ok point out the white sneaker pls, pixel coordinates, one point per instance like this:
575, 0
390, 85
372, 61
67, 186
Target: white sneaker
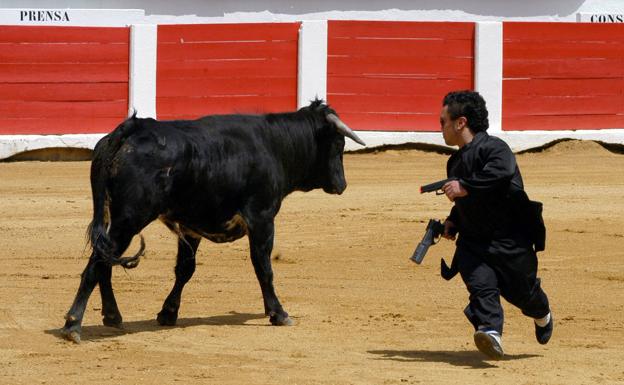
489, 343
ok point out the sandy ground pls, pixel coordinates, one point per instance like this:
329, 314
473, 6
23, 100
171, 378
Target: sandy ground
364, 313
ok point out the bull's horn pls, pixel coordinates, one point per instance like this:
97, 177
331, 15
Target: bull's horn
344, 129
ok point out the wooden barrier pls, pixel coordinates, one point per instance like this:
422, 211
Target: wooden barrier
62, 80
226, 68
67, 86
391, 76
563, 76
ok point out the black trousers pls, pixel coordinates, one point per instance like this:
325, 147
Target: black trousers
494, 269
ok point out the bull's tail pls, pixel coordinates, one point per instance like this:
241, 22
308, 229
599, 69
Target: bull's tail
97, 232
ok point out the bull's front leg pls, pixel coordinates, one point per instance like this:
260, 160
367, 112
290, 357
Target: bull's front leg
261, 245
185, 267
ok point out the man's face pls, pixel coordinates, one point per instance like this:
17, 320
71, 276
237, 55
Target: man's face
447, 127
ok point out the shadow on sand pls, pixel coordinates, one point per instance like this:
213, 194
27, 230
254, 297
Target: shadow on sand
97, 332
468, 359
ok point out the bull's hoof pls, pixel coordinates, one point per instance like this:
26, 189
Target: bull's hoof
114, 321
71, 330
71, 334
281, 320
167, 318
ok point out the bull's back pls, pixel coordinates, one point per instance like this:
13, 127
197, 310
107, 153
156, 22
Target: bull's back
196, 175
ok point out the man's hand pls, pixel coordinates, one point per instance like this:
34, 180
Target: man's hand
454, 190
449, 232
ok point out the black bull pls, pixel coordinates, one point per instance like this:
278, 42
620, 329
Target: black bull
219, 177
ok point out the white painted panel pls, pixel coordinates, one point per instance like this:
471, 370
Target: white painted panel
142, 87
312, 67
489, 69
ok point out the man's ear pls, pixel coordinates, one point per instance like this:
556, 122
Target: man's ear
461, 123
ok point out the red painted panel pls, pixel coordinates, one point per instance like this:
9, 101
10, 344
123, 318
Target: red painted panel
399, 104
64, 35
563, 68
563, 87
564, 122
63, 72
393, 75
182, 87
59, 80
581, 32
64, 53
391, 86
560, 105
64, 91
368, 121
46, 126
242, 68
562, 76
192, 108
387, 47
97, 109
185, 33
226, 68
415, 66
226, 50
563, 50
401, 30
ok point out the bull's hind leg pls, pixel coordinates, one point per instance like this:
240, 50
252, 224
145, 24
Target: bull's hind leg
185, 267
110, 312
123, 228
73, 318
97, 270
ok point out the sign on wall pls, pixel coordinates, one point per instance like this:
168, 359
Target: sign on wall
71, 17
600, 17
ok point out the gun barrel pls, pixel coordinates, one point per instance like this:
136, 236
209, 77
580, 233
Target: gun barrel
435, 186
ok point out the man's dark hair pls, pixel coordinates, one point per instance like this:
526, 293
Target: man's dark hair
469, 104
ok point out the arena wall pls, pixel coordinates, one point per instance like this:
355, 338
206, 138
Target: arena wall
65, 84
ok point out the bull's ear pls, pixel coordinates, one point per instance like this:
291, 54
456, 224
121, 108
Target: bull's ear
344, 129
317, 104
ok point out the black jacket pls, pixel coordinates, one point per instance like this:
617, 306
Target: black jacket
487, 169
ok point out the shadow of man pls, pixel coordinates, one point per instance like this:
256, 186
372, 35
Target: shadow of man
97, 332
468, 359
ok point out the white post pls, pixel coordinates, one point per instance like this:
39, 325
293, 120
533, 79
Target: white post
142, 87
489, 69
312, 67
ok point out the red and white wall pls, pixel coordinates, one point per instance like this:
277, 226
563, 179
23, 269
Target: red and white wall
67, 86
